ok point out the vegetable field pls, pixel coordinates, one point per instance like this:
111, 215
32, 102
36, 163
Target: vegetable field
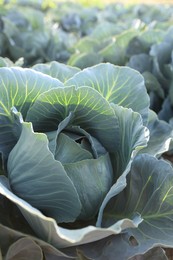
86, 131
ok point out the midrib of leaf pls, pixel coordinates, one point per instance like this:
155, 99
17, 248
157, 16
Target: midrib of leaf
144, 187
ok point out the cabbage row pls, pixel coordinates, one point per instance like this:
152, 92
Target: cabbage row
86, 132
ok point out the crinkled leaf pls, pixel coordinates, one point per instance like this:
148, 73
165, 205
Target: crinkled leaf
91, 112
119, 85
57, 70
92, 179
134, 136
32, 170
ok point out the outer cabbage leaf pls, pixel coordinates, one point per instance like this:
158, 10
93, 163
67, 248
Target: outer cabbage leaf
57, 70
16, 244
31, 164
119, 85
10, 214
6, 62
119, 246
149, 192
154, 200
156, 253
23, 248
134, 137
19, 88
47, 229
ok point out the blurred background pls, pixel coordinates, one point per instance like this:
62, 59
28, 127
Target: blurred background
91, 2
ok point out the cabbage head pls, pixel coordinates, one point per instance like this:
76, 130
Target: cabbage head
68, 140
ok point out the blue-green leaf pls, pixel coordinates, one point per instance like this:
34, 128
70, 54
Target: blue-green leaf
119, 246
91, 112
92, 179
119, 85
47, 229
161, 134
84, 60
134, 136
17, 244
57, 70
10, 130
32, 170
19, 88
68, 151
24, 248
149, 192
